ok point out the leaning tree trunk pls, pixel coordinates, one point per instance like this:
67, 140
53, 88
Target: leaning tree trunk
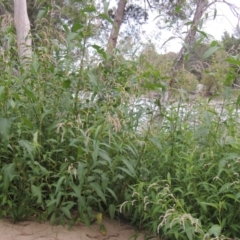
22, 25
189, 40
201, 7
112, 41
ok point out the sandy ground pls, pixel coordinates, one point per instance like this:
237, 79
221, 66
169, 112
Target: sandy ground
30, 230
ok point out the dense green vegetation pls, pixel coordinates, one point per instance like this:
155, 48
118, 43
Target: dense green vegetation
73, 145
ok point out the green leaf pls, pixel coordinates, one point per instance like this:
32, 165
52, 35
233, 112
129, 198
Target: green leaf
215, 13
202, 33
112, 210
97, 131
88, 9
233, 61
214, 205
189, 229
59, 183
42, 13
203, 206
76, 189
225, 187
2, 89
27, 122
44, 171
235, 227
81, 173
105, 17
66, 212
92, 79
237, 195
97, 188
9, 174
28, 146
29, 94
210, 51
86, 219
5, 125
126, 171
12, 103
214, 43
156, 142
178, 8
104, 155
76, 27
105, 181
66, 84
215, 230
189, 23
95, 151
100, 50
169, 178
71, 36
37, 192
237, 102
35, 63
129, 166
113, 193
59, 198
231, 196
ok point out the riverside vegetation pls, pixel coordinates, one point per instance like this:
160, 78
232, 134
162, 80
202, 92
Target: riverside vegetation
64, 157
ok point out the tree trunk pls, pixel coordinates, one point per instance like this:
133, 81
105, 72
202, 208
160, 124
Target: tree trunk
112, 41
201, 7
189, 40
22, 25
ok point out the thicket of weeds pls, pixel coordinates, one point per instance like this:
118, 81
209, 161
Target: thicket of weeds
68, 143
189, 175
72, 144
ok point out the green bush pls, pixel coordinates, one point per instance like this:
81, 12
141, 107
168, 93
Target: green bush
72, 143
216, 74
63, 156
186, 81
189, 188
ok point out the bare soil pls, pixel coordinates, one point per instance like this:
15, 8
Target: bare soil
30, 230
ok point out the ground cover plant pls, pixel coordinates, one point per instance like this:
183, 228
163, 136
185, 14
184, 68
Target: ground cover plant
76, 146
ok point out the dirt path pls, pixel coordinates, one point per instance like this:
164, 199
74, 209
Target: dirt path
29, 230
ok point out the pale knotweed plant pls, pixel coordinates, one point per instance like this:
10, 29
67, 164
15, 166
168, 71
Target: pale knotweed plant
236, 174
164, 217
62, 126
122, 205
217, 178
72, 170
115, 121
126, 202
135, 193
182, 219
207, 237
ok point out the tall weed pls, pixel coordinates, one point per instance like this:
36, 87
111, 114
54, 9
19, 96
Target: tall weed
64, 156
189, 186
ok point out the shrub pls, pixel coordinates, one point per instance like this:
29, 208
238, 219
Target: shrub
189, 188
186, 81
214, 77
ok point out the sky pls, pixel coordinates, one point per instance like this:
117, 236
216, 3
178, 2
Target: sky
225, 21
